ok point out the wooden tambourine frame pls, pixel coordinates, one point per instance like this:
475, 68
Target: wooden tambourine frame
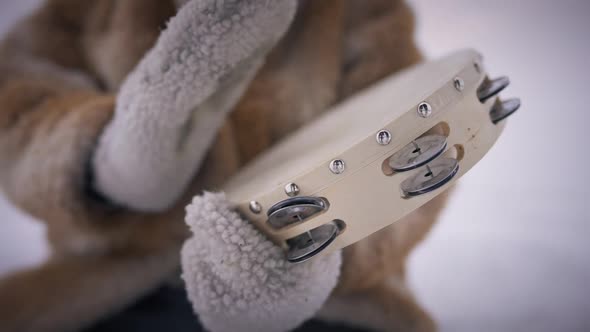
375, 158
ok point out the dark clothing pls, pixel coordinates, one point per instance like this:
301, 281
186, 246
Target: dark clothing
169, 310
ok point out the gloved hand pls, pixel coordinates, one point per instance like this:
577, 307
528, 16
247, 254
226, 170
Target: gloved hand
171, 107
237, 280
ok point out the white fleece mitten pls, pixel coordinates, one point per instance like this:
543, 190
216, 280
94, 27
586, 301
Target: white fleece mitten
237, 280
172, 105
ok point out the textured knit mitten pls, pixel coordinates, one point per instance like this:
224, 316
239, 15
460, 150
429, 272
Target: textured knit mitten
238, 280
170, 108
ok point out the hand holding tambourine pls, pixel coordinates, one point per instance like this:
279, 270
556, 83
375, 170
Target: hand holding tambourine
359, 168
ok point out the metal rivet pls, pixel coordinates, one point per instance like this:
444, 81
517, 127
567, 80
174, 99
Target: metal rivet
292, 189
255, 207
337, 166
383, 137
459, 83
424, 110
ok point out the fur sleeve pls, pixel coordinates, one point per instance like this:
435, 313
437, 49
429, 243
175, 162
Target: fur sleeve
52, 113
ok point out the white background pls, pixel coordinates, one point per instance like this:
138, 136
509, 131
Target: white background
511, 252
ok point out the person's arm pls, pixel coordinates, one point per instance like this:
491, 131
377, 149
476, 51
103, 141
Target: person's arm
172, 105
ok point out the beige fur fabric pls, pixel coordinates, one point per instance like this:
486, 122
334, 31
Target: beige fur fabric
60, 72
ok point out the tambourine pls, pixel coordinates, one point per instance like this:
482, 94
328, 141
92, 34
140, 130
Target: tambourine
375, 158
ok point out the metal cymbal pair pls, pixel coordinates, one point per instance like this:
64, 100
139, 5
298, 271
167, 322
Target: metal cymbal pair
502, 109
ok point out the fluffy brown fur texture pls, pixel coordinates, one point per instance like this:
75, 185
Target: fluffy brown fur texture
59, 70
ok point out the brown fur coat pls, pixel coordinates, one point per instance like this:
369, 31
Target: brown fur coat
59, 71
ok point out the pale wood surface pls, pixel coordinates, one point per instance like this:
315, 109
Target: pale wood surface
363, 196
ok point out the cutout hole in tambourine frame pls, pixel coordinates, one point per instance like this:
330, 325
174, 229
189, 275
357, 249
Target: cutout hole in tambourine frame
456, 151
341, 225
